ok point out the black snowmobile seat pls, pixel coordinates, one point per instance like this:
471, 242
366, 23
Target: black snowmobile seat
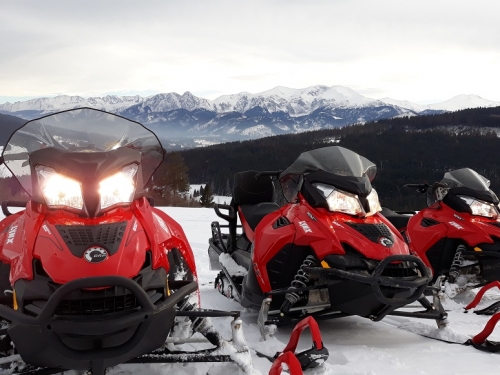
254, 213
254, 196
251, 190
398, 220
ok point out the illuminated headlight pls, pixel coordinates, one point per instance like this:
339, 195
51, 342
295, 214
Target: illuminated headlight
374, 203
480, 208
59, 190
118, 188
340, 201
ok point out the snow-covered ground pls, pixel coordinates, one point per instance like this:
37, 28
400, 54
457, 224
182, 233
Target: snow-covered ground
357, 346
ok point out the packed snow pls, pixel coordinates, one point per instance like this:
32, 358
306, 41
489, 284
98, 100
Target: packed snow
357, 345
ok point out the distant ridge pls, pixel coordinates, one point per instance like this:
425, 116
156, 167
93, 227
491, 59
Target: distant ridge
280, 110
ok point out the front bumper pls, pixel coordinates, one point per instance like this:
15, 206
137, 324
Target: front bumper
94, 342
372, 294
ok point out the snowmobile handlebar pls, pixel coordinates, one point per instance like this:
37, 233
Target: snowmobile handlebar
422, 188
268, 173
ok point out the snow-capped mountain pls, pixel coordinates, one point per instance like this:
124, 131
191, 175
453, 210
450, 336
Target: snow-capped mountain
63, 102
245, 115
296, 102
454, 104
462, 102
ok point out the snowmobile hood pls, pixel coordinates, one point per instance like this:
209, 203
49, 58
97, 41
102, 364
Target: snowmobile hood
336, 160
84, 131
466, 177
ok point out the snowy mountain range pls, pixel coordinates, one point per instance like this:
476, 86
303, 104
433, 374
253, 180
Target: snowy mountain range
245, 115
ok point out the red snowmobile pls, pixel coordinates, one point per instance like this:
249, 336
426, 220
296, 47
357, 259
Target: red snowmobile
327, 253
458, 234
93, 274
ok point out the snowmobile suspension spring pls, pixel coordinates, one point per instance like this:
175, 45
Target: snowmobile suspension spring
456, 263
300, 280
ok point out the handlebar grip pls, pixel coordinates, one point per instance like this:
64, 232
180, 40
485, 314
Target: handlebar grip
268, 173
416, 185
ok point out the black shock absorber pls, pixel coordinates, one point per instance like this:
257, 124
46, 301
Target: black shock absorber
300, 280
455, 265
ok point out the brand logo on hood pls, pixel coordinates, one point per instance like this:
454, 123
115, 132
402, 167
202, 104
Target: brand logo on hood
384, 241
95, 254
306, 227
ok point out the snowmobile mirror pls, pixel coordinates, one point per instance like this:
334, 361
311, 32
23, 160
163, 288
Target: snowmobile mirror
7, 204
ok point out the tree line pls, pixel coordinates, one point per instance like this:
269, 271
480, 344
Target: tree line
406, 150
414, 149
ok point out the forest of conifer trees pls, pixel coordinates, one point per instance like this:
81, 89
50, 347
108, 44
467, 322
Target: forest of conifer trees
405, 150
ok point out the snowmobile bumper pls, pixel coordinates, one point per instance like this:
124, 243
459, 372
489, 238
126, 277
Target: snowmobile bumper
97, 341
374, 294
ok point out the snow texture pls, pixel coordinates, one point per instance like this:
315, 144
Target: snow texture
231, 266
357, 345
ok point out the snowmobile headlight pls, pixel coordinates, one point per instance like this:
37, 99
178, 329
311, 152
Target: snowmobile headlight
479, 207
340, 201
118, 188
59, 190
373, 202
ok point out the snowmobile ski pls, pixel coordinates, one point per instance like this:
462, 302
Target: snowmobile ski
447, 335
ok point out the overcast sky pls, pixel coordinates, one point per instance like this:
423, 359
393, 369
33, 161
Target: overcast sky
418, 50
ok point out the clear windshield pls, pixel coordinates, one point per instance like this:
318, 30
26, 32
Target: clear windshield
466, 177
80, 130
333, 159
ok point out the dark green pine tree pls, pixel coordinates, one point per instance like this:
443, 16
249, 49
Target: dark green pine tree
171, 181
207, 197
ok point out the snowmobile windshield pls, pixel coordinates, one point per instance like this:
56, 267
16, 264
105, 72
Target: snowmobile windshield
334, 159
82, 130
466, 177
